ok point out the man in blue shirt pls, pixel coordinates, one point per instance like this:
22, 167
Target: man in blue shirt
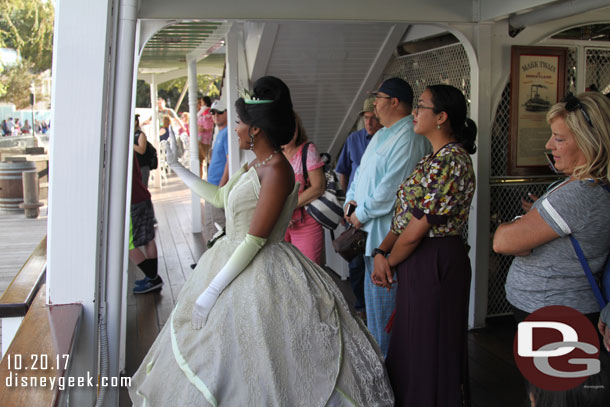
218, 171
388, 159
348, 163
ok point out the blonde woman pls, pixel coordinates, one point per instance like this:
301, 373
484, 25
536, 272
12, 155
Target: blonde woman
546, 270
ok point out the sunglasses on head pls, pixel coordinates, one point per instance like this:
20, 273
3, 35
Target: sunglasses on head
214, 112
573, 103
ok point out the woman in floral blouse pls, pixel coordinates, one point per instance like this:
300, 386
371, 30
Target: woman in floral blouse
427, 357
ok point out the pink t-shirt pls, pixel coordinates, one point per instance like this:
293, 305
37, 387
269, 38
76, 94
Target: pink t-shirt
204, 119
313, 162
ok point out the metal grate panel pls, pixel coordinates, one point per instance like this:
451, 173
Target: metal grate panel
571, 71
505, 205
598, 68
448, 65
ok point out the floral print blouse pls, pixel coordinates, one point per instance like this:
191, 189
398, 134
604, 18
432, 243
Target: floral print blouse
440, 187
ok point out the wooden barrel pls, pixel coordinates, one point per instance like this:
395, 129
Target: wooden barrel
11, 184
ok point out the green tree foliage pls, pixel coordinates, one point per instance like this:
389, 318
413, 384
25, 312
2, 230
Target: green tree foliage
27, 26
171, 90
17, 80
2, 84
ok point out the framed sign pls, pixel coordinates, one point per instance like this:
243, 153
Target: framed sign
537, 78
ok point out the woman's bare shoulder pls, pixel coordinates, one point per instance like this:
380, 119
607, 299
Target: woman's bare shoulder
279, 176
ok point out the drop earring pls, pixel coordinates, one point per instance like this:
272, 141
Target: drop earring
251, 142
438, 126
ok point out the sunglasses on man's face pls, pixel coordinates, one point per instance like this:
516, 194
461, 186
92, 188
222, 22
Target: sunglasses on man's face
215, 112
573, 103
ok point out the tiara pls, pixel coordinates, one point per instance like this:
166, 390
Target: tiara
250, 99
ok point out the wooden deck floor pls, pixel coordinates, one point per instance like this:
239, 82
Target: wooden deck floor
19, 236
494, 378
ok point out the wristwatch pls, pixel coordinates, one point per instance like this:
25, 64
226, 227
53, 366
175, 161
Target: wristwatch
377, 251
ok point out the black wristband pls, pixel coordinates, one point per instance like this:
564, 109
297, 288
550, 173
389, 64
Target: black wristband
377, 251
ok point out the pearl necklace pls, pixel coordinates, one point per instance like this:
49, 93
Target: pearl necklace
266, 160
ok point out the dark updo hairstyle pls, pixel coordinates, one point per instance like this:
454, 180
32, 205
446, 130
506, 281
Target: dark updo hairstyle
451, 100
275, 118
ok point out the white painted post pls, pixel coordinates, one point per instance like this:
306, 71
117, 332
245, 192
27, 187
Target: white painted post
119, 194
478, 225
81, 53
233, 37
194, 141
155, 124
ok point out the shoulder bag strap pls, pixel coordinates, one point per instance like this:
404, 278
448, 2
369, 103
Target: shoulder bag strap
585, 266
304, 161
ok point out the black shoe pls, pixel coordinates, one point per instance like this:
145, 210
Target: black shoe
148, 286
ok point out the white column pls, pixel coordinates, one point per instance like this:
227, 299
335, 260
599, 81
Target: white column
194, 161
478, 227
154, 127
232, 44
119, 194
81, 52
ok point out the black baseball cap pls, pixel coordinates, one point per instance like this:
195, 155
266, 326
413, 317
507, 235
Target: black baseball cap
397, 88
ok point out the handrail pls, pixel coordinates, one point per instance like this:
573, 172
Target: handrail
516, 180
19, 295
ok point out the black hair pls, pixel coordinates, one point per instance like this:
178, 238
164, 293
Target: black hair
207, 101
451, 100
275, 118
593, 392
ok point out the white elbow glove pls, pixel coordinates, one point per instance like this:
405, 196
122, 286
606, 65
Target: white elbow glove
239, 260
210, 192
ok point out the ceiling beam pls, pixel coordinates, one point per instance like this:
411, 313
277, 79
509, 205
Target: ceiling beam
369, 82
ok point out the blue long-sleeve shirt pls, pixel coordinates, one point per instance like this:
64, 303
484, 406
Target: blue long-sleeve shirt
389, 158
352, 152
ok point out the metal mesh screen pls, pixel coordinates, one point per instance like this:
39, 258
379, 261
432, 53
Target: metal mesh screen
506, 198
571, 71
598, 69
448, 65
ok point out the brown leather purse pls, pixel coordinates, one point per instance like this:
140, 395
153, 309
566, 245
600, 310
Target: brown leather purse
350, 243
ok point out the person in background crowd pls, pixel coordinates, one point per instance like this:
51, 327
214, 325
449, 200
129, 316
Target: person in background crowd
348, 163
142, 234
389, 158
218, 172
593, 392
205, 129
17, 128
165, 131
139, 146
10, 126
26, 127
184, 119
303, 230
428, 356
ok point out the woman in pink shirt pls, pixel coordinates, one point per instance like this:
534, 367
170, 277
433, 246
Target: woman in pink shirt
303, 230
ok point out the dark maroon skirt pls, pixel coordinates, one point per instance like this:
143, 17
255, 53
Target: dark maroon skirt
427, 360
